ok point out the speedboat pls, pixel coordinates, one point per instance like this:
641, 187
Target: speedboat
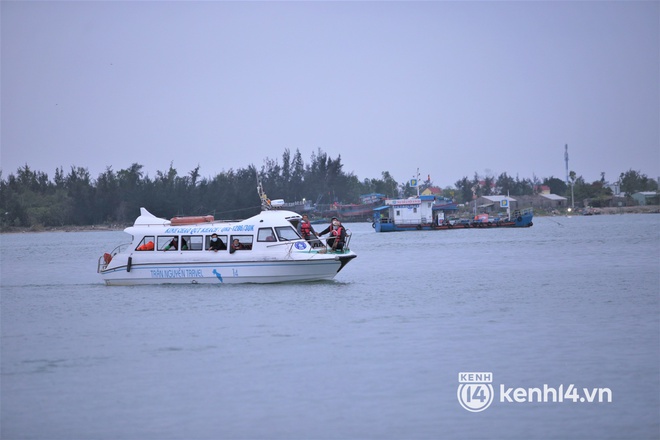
265, 248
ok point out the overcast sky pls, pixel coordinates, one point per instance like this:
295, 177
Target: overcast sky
451, 88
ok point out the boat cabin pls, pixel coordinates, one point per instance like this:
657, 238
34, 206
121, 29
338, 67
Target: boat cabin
411, 211
230, 237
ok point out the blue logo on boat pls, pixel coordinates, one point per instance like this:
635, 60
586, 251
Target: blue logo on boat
300, 245
217, 274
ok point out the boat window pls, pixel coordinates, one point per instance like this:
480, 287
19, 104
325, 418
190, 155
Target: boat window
194, 242
146, 244
171, 243
266, 234
223, 242
241, 243
287, 233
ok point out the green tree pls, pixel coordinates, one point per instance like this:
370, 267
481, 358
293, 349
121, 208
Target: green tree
298, 192
464, 187
633, 181
505, 184
385, 185
107, 196
80, 190
557, 186
489, 183
131, 186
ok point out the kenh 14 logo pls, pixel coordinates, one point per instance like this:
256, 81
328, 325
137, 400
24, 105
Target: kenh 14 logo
475, 392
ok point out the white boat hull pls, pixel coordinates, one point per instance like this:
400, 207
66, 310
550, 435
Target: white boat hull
225, 272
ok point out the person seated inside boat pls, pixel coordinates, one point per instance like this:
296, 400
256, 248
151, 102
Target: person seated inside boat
216, 244
236, 245
174, 244
337, 236
266, 234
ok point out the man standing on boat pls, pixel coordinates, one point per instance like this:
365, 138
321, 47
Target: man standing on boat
305, 228
307, 232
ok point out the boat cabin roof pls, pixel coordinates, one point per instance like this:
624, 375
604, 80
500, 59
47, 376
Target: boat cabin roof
148, 223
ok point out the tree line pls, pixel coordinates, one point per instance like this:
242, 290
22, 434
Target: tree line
30, 198
597, 193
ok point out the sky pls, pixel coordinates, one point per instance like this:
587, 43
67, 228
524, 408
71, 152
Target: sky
449, 88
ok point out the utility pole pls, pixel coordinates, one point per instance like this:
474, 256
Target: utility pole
566, 160
572, 181
572, 196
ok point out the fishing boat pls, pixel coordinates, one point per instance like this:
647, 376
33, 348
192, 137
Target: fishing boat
348, 212
265, 248
428, 212
362, 210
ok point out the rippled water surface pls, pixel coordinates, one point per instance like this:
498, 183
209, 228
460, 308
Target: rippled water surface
376, 353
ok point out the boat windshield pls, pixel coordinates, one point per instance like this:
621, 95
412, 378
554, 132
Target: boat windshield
265, 234
287, 233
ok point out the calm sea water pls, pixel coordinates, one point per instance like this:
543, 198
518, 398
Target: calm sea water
376, 353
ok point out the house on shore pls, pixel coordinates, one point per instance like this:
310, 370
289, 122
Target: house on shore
552, 201
646, 197
493, 204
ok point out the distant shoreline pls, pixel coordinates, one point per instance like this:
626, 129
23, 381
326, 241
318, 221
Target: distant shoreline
72, 228
654, 209
646, 209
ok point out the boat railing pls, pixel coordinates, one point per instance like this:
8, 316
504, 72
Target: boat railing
349, 235
409, 221
320, 244
105, 259
520, 212
101, 264
119, 249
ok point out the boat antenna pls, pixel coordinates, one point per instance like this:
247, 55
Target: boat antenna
265, 202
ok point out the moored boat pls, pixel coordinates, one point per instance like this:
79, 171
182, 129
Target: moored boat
427, 212
265, 248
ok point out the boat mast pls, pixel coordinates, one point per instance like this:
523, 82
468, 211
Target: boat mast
265, 203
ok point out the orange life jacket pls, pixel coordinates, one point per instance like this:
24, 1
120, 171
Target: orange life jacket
146, 247
305, 228
337, 232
